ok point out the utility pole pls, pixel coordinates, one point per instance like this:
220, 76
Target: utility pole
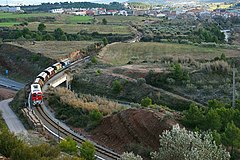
233, 87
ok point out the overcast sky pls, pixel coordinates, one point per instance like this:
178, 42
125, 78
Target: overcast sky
27, 2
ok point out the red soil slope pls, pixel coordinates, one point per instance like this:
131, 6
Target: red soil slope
140, 126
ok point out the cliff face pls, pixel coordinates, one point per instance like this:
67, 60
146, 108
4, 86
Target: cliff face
133, 126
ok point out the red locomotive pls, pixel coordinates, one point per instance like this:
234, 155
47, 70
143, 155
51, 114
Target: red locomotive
36, 94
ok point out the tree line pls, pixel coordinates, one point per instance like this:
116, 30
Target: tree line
221, 119
48, 6
59, 35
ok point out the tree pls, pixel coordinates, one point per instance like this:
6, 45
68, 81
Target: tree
212, 120
194, 116
68, 145
146, 102
178, 71
231, 136
87, 150
58, 33
41, 27
215, 104
46, 150
48, 37
105, 41
8, 142
181, 144
63, 37
117, 86
130, 156
104, 21
24, 152
227, 115
95, 116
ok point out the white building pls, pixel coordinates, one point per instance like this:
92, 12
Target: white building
58, 11
123, 12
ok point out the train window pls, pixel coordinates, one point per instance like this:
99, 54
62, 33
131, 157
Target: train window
35, 86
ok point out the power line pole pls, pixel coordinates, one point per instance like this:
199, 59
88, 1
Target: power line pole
233, 87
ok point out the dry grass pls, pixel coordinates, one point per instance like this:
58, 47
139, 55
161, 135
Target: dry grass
125, 19
86, 102
216, 66
122, 53
55, 49
75, 28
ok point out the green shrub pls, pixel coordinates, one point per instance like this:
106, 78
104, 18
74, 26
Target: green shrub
146, 102
94, 59
117, 86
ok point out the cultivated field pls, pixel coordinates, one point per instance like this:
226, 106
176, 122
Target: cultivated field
8, 24
71, 19
9, 19
23, 15
122, 53
75, 28
55, 49
124, 19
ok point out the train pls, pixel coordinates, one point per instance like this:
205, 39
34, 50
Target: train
43, 77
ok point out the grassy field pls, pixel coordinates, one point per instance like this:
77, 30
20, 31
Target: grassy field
17, 15
59, 18
124, 19
55, 49
75, 28
79, 19
8, 24
122, 53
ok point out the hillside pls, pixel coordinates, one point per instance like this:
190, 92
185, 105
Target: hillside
21, 63
55, 49
133, 127
123, 53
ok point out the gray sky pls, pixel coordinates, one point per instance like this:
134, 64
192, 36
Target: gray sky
26, 2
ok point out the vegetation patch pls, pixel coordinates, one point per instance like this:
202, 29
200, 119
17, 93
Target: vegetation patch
22, 64
56, 49
83, 111
122, 53
89, 28
79, 19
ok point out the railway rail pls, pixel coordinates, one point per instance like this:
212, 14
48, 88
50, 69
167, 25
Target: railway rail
59, 131
102, 153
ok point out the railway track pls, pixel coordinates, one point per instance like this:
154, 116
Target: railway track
59, 131
102, 153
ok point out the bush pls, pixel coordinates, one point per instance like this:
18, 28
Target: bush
94, 60
141, 81
146, 102
95, 116
117, 86
181, 144
68, 145
216, 66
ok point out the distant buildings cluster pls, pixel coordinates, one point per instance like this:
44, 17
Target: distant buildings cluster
170, 12
89, 12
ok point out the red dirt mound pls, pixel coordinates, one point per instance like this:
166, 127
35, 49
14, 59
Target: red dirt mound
140, 126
